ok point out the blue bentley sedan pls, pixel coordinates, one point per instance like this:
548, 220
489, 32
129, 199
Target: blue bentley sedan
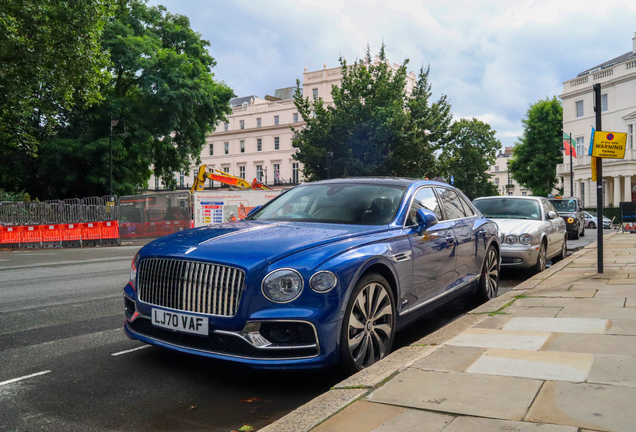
325, 273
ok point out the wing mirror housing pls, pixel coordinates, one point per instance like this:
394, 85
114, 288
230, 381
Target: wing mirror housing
254, 210
425, 220
552, 215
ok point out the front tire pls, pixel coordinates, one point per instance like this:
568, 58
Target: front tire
575, 235
540, 265
583, 232
368, 328
489, 279
591, 225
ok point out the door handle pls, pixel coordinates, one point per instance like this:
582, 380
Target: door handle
481, 233
450, 239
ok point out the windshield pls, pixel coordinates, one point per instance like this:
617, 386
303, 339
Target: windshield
509, 208
564, 205
335, 203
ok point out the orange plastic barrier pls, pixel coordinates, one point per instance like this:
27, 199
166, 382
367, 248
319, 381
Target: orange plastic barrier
91, 234
109, 230
10, 236
72, 235
51, 235
30, 237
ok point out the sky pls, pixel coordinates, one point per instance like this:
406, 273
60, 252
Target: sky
491, 58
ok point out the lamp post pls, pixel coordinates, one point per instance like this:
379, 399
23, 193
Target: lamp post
508, 184
571, 167
113, 122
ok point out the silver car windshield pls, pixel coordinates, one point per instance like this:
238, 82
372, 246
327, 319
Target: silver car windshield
509, 208
347, 203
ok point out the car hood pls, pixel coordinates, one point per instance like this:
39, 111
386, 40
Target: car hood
517, 226
247, 243
567, 214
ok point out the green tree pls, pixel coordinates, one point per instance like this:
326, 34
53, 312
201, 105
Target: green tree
373, 127
50, 61
469, 154
538, 151
162, 91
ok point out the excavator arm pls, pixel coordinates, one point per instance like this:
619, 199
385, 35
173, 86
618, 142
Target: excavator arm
206, 173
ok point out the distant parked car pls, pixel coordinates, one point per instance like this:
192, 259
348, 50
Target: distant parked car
591, 221
572, 213
531, 230
325, 273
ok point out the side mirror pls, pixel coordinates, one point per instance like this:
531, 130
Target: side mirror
425, 219
254, 210
552, 215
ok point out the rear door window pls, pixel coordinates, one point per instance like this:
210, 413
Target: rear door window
452, 205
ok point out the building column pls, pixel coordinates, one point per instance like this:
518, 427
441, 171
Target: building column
617, 191
588, 193
628, 189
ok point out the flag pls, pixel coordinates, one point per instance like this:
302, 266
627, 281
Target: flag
277, 175
566, 143
592, 142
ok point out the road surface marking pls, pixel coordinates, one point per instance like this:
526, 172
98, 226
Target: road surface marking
130, 350
23, 378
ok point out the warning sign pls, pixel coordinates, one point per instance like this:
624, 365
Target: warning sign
609, 145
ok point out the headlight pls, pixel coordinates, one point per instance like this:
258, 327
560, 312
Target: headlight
526, 239
323, 281
511, 239
282, 286
570, 220
133, 270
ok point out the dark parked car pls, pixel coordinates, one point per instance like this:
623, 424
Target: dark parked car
325, 273
572, 213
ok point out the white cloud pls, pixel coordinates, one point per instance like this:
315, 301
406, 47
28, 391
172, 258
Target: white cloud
492, 58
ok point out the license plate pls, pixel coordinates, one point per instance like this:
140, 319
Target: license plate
180, 322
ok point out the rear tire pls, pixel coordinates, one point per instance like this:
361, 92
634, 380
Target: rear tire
583, 232
489, 279
368, 327
540, 265
575, 235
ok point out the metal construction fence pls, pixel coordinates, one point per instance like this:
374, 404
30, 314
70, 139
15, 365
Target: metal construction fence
154, 214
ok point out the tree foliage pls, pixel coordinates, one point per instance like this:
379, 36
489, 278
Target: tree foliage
373, 127
51, 60
469, 155
164, 99
538, 151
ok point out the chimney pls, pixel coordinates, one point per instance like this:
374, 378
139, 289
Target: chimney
634, 42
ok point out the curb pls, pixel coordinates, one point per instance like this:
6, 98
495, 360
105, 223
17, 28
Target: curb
316, 411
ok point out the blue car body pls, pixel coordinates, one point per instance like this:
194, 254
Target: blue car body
424, 269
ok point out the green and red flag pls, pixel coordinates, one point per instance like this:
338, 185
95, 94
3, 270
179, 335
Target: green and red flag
567, 139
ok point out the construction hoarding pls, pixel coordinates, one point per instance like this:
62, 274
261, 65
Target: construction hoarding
227, 206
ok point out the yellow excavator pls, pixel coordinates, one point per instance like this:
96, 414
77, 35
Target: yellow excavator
207, 173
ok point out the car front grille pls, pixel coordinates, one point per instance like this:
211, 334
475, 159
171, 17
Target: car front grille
190, 286
217, 343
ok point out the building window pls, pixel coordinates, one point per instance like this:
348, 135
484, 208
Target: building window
276, 143
259, 144
277, 178
259, 173
604, 102
579, 108
276, 120
523, 193
181, 179
226, 169
156, 183
496, 180
242, 172
226, 127
211, 149
226, 145
242, 123
580, 146
582, 194
295, 117
496, 168
315, 93
242, 146
630, 136
295, 172
258, 122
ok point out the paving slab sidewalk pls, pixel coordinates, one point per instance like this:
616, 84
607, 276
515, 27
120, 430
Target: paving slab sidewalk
557, 354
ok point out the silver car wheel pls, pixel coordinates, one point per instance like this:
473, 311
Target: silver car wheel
370, 325
492, 274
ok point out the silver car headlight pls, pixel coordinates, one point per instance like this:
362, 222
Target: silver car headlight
282, 286
525, 239
323, 281
511, 239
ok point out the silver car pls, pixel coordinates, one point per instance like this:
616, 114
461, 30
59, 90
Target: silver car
591, 221
530, 229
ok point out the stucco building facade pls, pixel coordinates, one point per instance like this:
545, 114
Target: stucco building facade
618, 107
500, 176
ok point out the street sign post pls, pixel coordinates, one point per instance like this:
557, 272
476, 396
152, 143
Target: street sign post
599, 181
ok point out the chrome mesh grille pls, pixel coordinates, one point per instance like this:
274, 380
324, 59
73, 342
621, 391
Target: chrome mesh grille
190, 286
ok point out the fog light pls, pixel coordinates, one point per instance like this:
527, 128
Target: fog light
288, 333
129, 308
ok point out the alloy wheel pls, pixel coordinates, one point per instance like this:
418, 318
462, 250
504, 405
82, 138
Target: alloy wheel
370, 325
492, 274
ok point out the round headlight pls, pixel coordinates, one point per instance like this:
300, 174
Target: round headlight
323, 281
282, 286
511, 239
526, 239
570, 220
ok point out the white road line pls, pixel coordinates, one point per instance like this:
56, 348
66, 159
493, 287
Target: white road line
23, 378
130, 350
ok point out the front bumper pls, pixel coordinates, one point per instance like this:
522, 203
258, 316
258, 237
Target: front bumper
517, 255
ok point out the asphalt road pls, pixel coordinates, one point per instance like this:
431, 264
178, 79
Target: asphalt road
61, 316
